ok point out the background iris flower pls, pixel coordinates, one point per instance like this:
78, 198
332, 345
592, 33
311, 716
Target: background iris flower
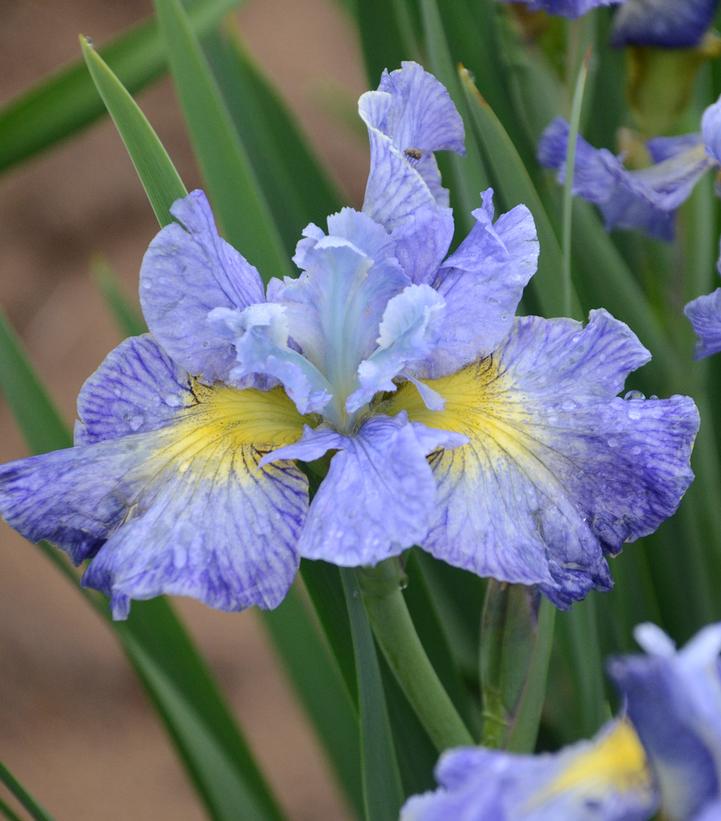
646, 199
673, 699
567, 8
664, 754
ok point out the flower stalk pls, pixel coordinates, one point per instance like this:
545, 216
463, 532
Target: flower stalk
382, 591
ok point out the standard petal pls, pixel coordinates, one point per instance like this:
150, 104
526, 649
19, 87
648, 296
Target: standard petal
421, 242
482, 284
704, 313
410, 116
674, 702
409, 330
187, 271
378, 497
334, 310
606, 778
644, 200
558, 470
137, 388
185, 509
662, 23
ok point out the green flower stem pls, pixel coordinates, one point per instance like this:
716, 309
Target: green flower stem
381, 588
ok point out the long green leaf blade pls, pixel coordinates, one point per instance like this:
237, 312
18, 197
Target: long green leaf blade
294, 183
514, 186
232, 185
66, 102
22, 795
382, 788
158, 175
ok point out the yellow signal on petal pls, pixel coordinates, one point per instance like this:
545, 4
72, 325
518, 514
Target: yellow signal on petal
226, 430
617, 762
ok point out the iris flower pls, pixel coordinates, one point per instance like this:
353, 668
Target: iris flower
674, 701
663, 23
665, 753
647, 199
498, 444
606, 779
566, 8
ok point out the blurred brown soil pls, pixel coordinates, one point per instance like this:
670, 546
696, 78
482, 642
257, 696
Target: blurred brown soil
74, 723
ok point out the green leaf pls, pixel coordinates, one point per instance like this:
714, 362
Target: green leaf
295, 184
66, 102
127, 317
468, 175
22, 795
232, 185
158, 175
317, 682
382, 790
387, 35
7, 812
513, 184
34, 412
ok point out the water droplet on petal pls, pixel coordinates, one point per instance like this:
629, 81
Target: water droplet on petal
634, 395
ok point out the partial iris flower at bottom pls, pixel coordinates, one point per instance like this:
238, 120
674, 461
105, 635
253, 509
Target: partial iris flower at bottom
498, 444
647, 199
673, 699
664, 754
606, 779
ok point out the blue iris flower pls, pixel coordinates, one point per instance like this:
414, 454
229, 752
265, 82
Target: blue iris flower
645, 200
674, 701
566, 8
606, 779
663, 754
663, 23
498, 444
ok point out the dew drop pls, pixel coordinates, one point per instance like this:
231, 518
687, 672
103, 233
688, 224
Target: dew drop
634, 395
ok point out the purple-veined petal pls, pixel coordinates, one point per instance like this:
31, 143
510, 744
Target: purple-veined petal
409, 117
421, 242
378, 496
482, 284
184, 506
187, 271
558, 471
137, 388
